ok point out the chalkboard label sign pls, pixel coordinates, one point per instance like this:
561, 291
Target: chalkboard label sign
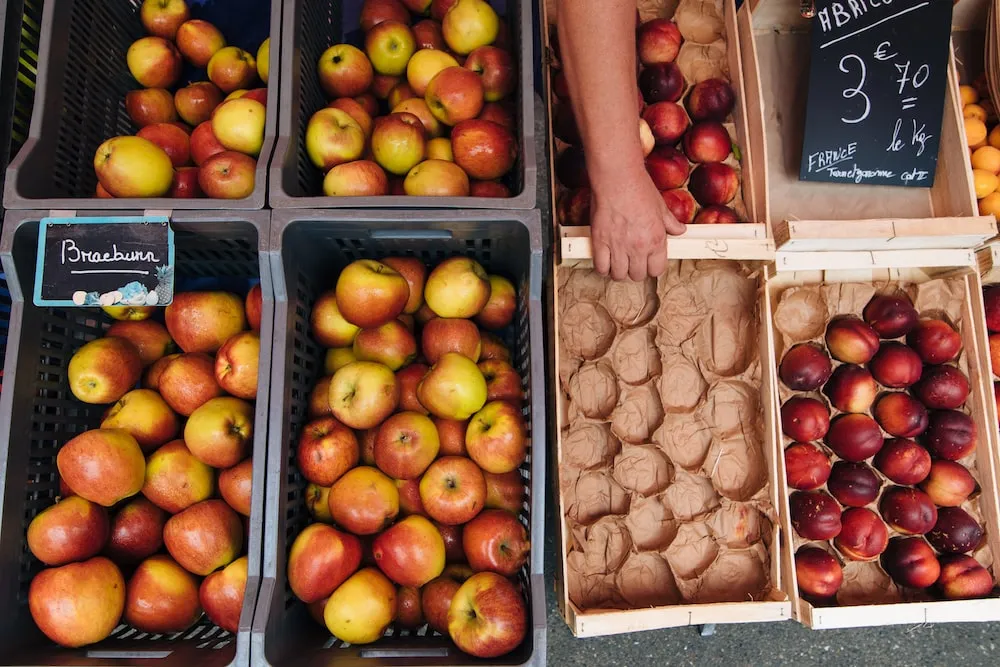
114, 261
877, 85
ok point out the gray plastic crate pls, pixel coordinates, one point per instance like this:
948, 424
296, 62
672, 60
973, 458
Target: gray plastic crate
38, 414
308, 250
82, 81
20, 25
310, 26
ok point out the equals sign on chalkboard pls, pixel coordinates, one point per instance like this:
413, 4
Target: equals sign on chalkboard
877, 83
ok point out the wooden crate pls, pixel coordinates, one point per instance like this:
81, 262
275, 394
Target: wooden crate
778, 56
909, 267
748, 240
587, 623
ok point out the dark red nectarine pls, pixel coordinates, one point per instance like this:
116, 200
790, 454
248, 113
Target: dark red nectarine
891, 315
851, 388
948, 484
991, 300
817, 572
963, 578
951, 435
804, 419
854, 437
815, 515
901, 415
908, 511
896, 366
863, 536
903, 461
850, 340
955, 532
853, 484
911, 562
805, 367
807, 467
942, 387
935, 341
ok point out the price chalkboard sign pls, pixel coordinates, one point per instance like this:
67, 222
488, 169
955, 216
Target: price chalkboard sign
877, 85
114, 261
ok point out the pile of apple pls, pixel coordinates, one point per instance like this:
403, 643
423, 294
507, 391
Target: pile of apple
412, 458
672, 138
146, 480
227, 116
983, 137
444, 82
911, 437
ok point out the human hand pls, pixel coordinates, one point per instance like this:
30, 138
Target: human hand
629, 226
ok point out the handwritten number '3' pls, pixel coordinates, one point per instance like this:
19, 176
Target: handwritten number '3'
854, 92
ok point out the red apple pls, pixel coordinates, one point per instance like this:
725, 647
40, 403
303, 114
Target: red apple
488, 616
228, 175
453, 490
496, 541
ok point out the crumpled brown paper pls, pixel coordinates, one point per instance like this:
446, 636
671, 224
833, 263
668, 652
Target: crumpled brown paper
635, 357
630, 303
738, 525
587, 330
685, 438
730, 407
692, 550
736, 466
650, 523
638, 414
801, 314
588, 444
726, 343
607, 544
645, 580
594, 389
735, 576
691, 496
682, 386
582, 285
703, 61
594, 495
643, 469
700, 21
866, 583
682, 309
589, 590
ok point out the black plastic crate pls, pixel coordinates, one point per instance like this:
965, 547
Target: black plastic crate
82, 79
20, 26
310, 27
38, 413
308, 250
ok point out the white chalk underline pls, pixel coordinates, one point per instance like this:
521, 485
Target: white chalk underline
141, 273
887, 18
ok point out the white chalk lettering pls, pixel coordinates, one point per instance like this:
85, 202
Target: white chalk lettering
920, 138
840, 15
915, 175
823, 160
72, 254
896, 144
859, 175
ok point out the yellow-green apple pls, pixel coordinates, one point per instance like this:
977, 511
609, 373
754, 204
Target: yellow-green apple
239, 125
453, 490
436, 178
418, 7
398, 142
363, 394
236, 486
231, 68
162, 18
374, 12
236, 365
493, 348
400, 93
133, 167
196, 102
435, 598
409, 614
326, 450
499, 310
79, 603
370, 293
129, 313
102, 466
391, 344
336, 358
161, 596
228, 175
382, 85
199, 40
264, 59
333, 137
364, 501
151, 379
204, 144
389, 46
175, 479
428, 35
204, 537
488, 616
483, 149
146, 416
204, 321
496, 68
406, 444
73, 529
154, 62
469, 24
149, 337
408, 379
320, 560
319, 399
344, 71
505, 491
449, 334
496, 541
454, 388
457, 287
150, 105
136, 532
174, 141
328, 326
409, 497
455, 94
439, 148
503, 383
424, 65
221, 594
355, 110
410, 553
418, 107
368, 446
254, 306
362, 607
497, 437
499, 113
219, 432
318, 503
188, 382
451, 433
